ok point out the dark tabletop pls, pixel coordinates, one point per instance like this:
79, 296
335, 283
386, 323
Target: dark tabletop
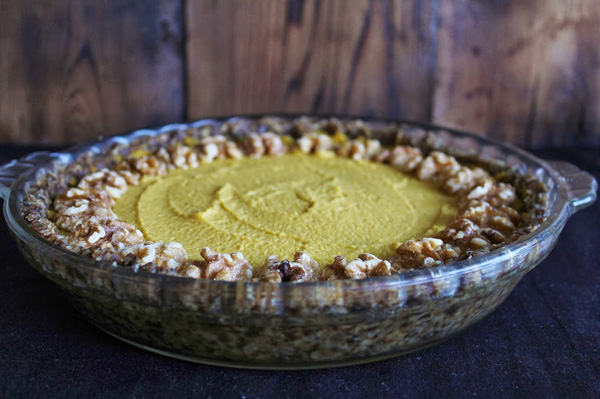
543, 341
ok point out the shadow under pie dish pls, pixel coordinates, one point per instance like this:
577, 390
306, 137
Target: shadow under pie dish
291, 313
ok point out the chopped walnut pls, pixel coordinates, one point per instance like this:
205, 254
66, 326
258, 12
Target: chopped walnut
465, 179
502, 195
382, 156
512, 213
45, 228
405, 158
485, 215
481, 190
132, 179
333, 126
110, 181
122, 234
163, 156
102, 254
494, 236
437, 167
335, 270
368, 265
189, 270
461, 229
149, 165
273, 271
232, 151
210, 152
253, 145
424, 252
358, 128
256, 145
273, 144
183, 157
300, 270
353, 149
79, 211
211, 148
165, 257
360, 149
218, 147
97, 232
304, 124
372, 148
501, 223
228, 267
314, 142
37, 206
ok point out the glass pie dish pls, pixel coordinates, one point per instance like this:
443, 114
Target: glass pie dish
290, 326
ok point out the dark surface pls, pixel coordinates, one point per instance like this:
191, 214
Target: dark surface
544, 341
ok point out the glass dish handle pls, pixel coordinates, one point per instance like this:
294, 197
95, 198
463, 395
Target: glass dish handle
581, 185
11, 171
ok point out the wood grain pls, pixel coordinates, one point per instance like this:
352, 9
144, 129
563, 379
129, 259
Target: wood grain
524, 72
72, 71
361, 57
527, 72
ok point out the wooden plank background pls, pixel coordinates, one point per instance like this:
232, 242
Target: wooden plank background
71, 71
527, 72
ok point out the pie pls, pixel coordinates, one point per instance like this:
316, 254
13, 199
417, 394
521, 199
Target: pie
284, 201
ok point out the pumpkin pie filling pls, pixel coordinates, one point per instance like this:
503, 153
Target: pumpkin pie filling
322, 204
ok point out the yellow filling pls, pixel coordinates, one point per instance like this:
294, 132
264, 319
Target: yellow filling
322, 204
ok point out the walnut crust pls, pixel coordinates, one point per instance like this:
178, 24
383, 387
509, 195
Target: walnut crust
496, 205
